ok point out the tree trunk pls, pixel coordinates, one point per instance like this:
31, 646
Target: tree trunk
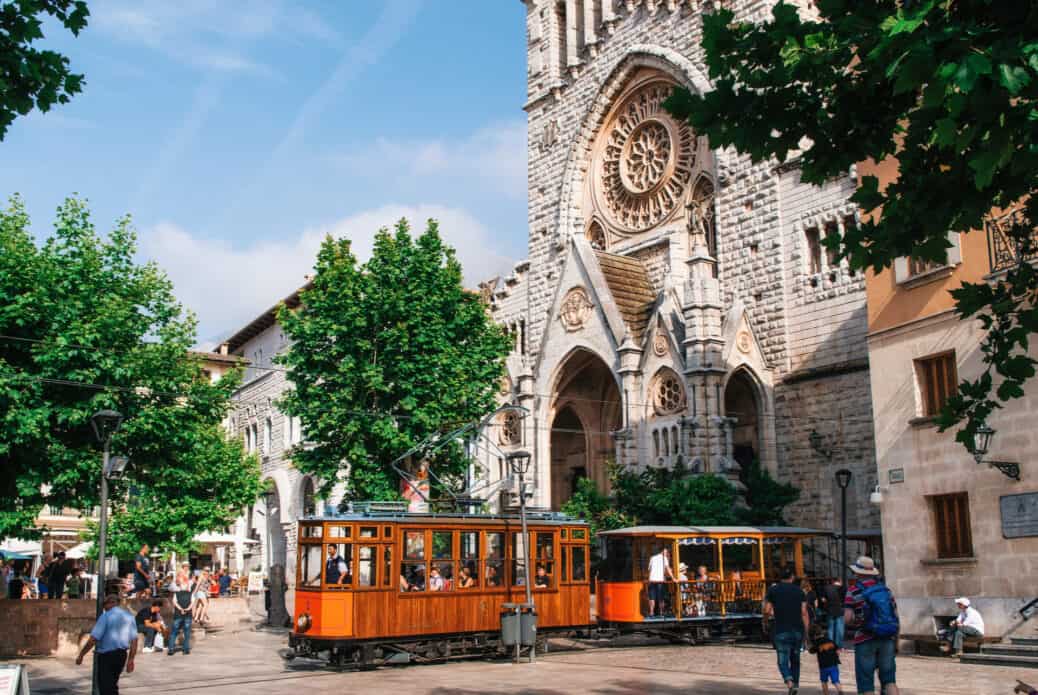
278, 614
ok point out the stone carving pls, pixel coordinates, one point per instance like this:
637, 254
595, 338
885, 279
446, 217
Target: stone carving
510, 433
645, 161
659, 344
744, 342
701, 219
550, 136
575, 310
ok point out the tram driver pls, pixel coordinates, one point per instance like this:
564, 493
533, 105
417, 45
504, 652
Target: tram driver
336, 570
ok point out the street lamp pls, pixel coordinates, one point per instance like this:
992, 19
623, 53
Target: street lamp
105, 423
519, 464
981, 444
843, 479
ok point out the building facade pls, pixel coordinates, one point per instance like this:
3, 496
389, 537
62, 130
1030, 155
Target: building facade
677, 304
974, 531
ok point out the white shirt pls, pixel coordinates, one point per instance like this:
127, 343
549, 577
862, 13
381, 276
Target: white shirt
657, 568
971, 618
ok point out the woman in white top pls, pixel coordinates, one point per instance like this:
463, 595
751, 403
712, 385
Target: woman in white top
201, 590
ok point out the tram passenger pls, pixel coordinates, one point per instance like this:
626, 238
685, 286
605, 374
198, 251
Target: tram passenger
436, 580
659, 573
336, 571
404, 584
466, 580
541, 580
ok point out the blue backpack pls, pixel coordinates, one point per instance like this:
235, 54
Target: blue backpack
880, 616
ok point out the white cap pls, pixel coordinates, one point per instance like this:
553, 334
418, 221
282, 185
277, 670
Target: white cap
963, 601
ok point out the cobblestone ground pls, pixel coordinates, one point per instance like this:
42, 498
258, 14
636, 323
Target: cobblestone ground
247, 662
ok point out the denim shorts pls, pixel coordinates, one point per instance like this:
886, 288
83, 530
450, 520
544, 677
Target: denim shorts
831, 674
870, 656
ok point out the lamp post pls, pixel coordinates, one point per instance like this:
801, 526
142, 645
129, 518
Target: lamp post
519, 463
843, 479
105, 423
267, 496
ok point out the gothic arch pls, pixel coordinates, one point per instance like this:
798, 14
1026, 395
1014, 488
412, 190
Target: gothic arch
666, 63
745, 399
306, 501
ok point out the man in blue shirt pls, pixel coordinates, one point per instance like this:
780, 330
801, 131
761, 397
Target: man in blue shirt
115, 639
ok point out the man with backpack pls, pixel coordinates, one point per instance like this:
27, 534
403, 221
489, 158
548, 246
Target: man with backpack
871, 610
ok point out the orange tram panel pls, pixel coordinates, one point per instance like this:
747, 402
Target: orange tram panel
368, 580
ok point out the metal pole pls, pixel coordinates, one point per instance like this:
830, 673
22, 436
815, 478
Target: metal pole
270, 554
843, 534
102, 539
526, 551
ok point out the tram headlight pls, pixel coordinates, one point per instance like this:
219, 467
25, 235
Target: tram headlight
303, 622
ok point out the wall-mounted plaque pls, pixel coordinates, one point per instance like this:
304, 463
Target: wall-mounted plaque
1019, 515
896, 475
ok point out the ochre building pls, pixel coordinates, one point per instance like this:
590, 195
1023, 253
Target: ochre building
676, 305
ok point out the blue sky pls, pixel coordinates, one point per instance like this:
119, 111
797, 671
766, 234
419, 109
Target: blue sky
237, 134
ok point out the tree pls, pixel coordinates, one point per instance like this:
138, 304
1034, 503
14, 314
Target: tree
948, 88
29, 77
384, 355
83, 327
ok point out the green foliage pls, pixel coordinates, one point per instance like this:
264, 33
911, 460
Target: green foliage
31, 78
949, 87
84, 327
673, 496
385, 354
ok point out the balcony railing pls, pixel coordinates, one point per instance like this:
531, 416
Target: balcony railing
1004, 250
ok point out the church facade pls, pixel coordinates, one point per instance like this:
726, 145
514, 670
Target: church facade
677, 304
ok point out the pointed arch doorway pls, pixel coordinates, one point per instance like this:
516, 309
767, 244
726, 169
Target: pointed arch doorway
742, 402
586, 409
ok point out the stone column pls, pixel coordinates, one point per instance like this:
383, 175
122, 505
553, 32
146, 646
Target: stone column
630, 387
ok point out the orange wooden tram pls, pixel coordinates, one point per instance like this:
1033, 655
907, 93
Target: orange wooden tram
393, 587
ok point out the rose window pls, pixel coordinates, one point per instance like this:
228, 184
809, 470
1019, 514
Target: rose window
669, 394
645, 161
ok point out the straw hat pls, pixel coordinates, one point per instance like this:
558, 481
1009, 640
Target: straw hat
965, 602
865, 565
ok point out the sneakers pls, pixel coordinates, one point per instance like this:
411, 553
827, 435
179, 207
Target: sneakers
148, 650
170, 652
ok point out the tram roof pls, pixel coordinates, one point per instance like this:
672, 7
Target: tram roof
713, 530
532, 518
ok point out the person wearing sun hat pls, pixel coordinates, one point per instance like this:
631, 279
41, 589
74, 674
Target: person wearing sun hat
869, 607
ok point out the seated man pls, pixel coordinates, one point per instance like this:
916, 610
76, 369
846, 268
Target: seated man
150, 623
225, 583
968, 623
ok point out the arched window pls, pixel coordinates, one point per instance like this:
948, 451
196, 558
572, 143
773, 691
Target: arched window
309, 498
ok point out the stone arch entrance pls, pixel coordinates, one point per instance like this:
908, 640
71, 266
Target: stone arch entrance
742, 402
586, 409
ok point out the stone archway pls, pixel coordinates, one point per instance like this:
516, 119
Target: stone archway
742, 402
587, 408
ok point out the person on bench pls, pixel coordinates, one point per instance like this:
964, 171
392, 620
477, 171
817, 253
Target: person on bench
968, 623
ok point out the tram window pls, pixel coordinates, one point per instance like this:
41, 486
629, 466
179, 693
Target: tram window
579, 554
618, 565
545, 546
442, 545
312, 531
367, 570
494, 573
495, 546
545, 555
564, 569
494, 569
469, 545
518, 572
468, 575
311, 567
699, 555
387, 565
441, 576
369, 532
776, 556
412, 576
339, 531
744, 557
562, 532
338, 565
414, 545
387, 531
578, 534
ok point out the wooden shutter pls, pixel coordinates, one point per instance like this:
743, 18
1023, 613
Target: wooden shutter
952, 522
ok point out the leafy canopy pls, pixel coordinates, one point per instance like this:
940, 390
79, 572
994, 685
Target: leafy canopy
30, 77
947, 87
385, 354
84, 327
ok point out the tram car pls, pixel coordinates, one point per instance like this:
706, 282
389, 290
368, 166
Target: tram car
716, 584
392, 587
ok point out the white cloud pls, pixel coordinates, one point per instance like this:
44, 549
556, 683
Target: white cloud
227, 286
491, 158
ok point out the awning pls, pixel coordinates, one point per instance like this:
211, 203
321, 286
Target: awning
222, 539
80, 551
16, 545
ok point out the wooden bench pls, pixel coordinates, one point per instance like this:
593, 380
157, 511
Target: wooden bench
930, 645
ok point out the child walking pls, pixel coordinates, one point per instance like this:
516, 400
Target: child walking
828, 659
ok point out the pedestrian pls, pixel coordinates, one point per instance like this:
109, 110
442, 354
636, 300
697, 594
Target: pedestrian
43, 578
151, 625
115, 639
812, 600
659, 572
968, 623
59, 572
141, 573
787, 604
201, 593
225, 583
871, 610
75, 583
828, 658
832, 604
183, 606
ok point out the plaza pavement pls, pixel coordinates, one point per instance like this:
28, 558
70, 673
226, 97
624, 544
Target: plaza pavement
248, 662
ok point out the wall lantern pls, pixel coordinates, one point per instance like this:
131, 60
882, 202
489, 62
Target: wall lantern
981, 445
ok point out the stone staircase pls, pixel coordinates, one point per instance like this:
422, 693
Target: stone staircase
1018, 651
